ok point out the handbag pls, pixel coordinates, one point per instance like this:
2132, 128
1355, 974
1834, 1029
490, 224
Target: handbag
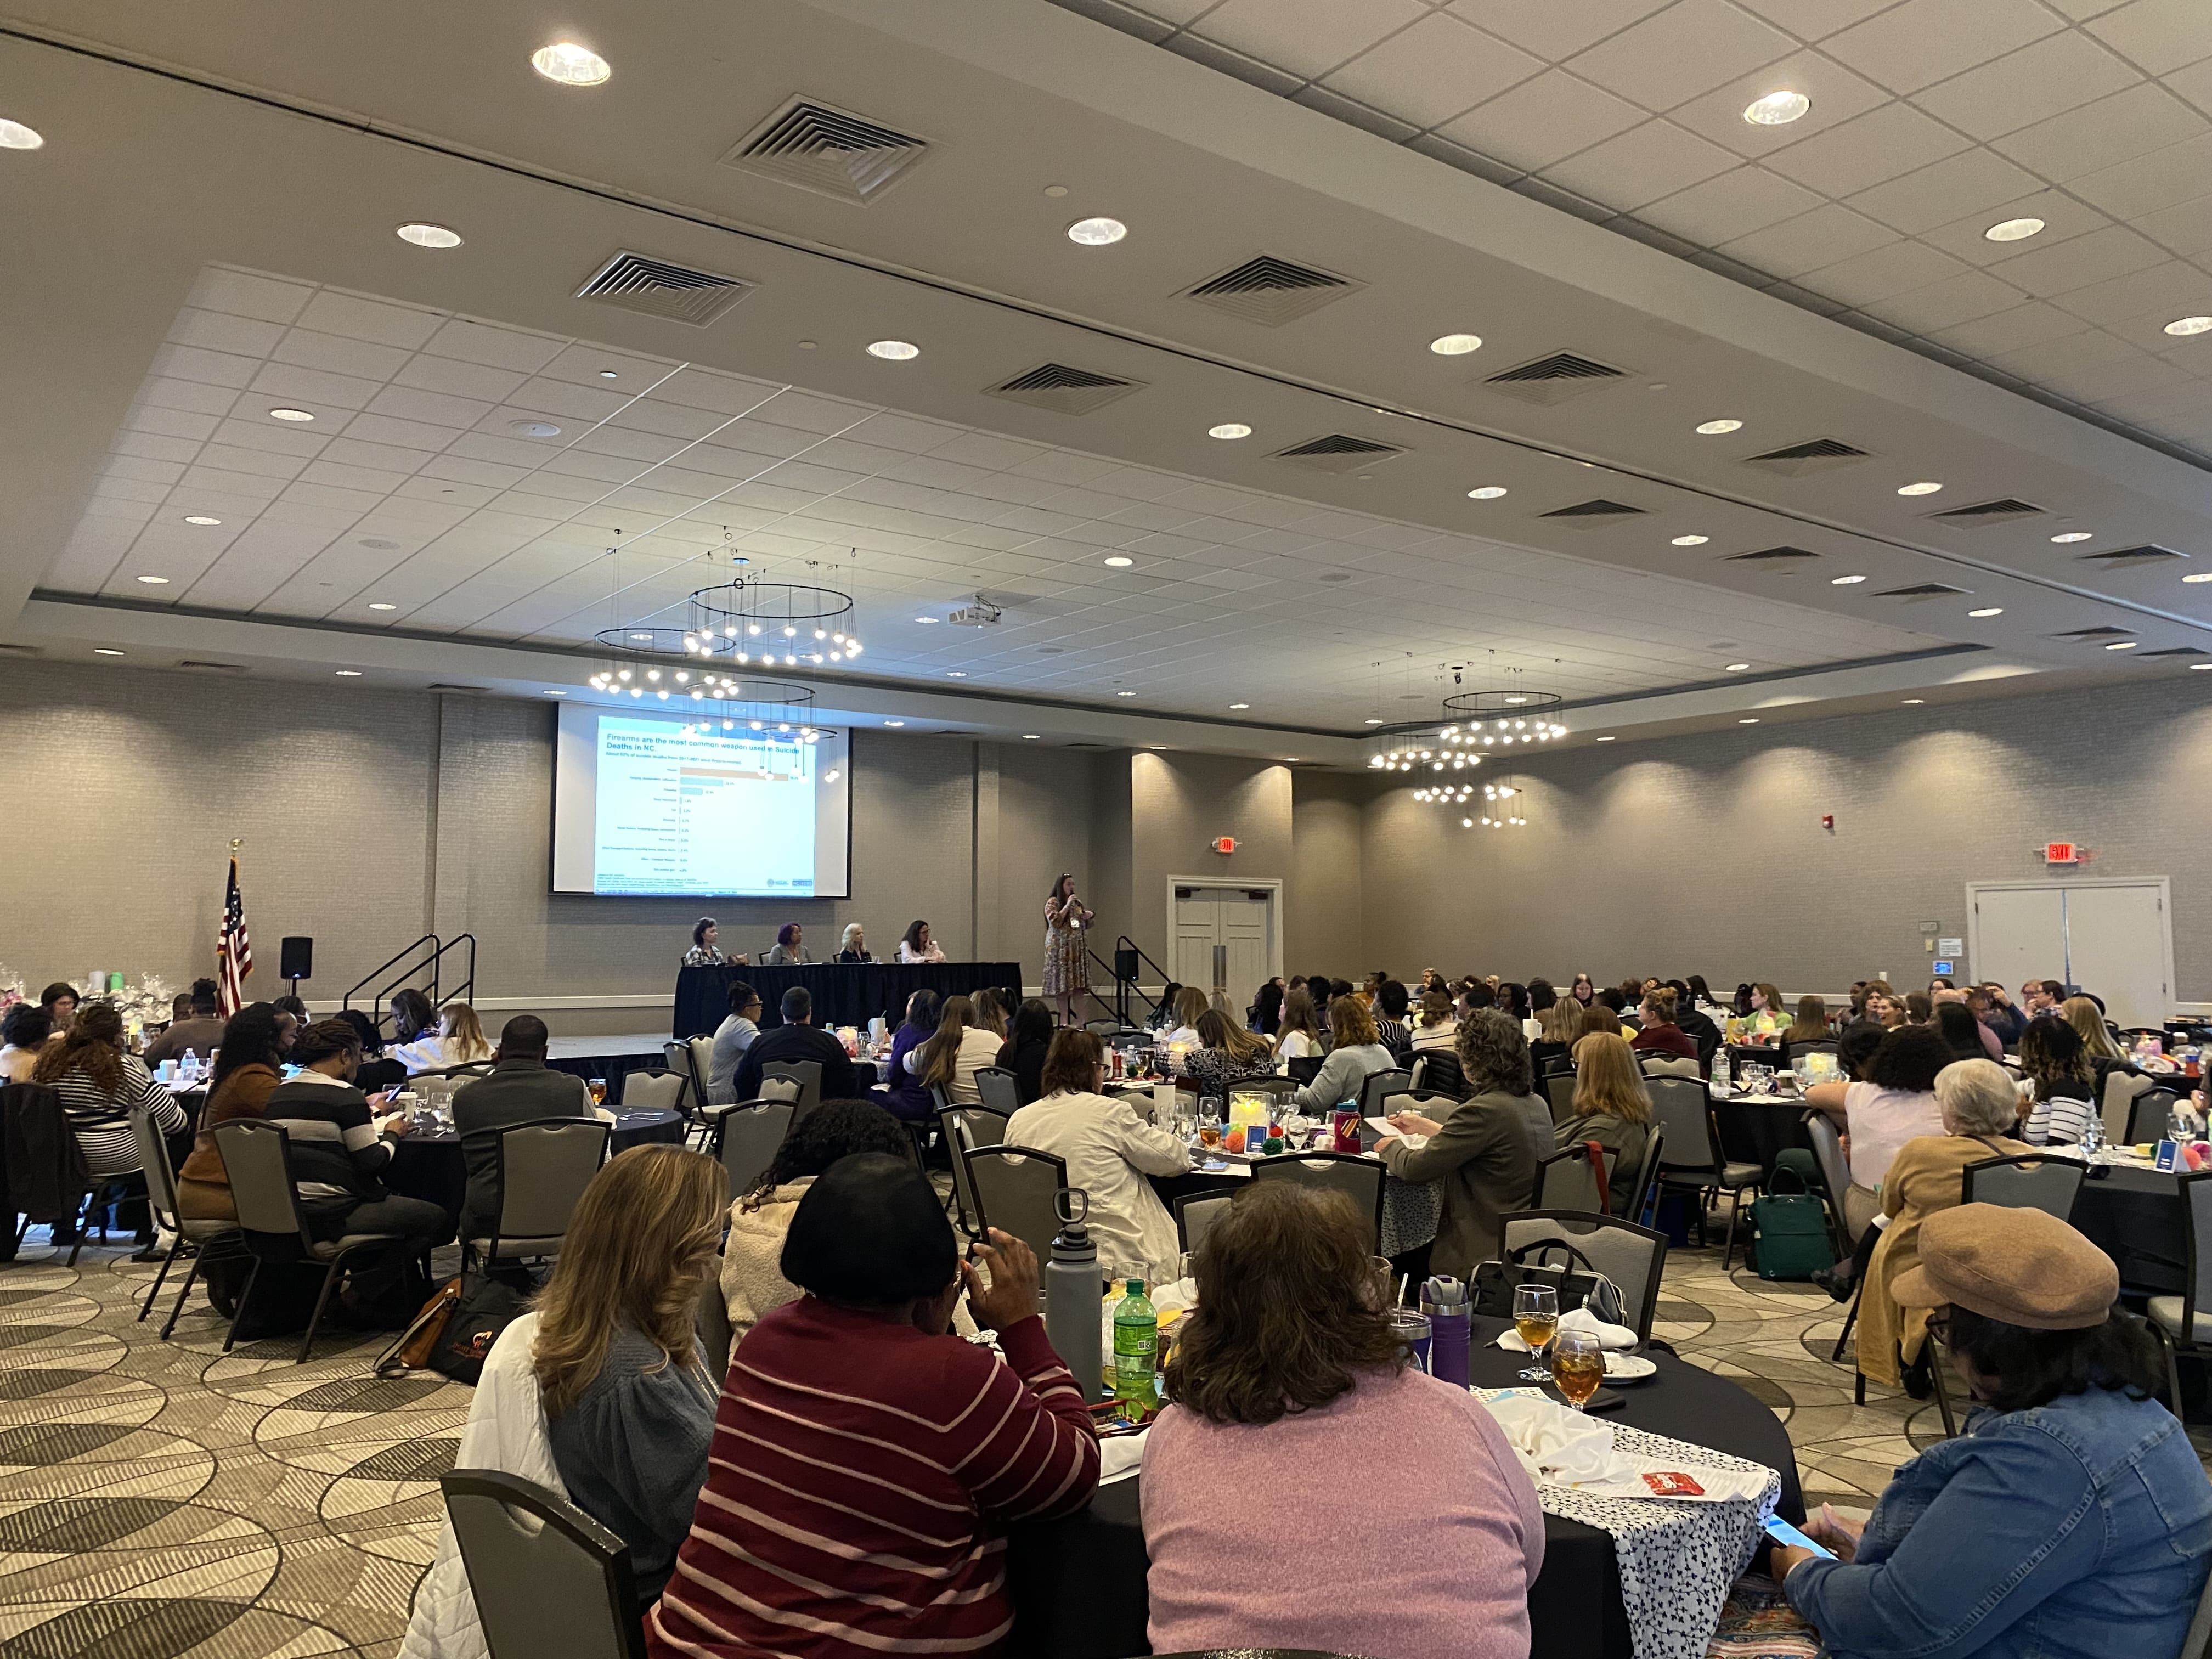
1578, 1283
454, 1332
1789, 1228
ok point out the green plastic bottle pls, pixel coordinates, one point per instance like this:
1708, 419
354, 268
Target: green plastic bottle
1136, 1353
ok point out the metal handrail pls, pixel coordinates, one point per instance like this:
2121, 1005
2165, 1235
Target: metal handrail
433, 965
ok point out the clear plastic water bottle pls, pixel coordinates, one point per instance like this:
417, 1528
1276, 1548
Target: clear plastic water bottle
191, 1071
1722, 1082
1136, 1354
2093, 1137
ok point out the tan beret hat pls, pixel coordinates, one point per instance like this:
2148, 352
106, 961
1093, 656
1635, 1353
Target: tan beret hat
2022, 1267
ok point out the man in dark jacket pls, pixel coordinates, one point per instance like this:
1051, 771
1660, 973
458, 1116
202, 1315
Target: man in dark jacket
797, 1039
520, 1088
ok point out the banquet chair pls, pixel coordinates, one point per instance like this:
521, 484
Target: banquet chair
1662, 1065
1566, 1181
1014, 1188
1303, 1071
747, 1138
2117, 1105
1277, 1086
2198, 1644
1645, 1182
698, 1066
998, 1087
542, 1167
1696, 1163
1835, 1177
653, 1091
2154, 1106
1195, 1214
1360, 1179
1633, 1257
2028, 1181
190, 1236
2186, 1321
675, 1061
964, 1128
711, 1323
256, 1157
807, 1073
1559, 1089
546, 1577
1379, 1087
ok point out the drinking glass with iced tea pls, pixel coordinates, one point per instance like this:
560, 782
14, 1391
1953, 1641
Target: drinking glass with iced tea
1578, 1365
1535, 1318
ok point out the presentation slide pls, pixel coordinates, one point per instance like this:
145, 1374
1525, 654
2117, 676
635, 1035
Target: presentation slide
687, 806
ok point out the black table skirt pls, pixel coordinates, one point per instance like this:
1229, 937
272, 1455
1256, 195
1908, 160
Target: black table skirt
430, 1166
844, 994
1755, 1131
1079, 1584
2136, 1218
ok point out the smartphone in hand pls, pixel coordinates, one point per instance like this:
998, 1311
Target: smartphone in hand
1783, 1533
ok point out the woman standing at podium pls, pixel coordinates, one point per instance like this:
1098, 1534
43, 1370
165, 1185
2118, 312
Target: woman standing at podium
1066, 961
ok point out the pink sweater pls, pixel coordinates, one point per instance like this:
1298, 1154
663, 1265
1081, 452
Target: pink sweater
1393, 1522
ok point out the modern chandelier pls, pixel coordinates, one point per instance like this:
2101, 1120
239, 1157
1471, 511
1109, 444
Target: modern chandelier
751, 620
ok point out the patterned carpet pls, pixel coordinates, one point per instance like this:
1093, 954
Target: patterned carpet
165, 1500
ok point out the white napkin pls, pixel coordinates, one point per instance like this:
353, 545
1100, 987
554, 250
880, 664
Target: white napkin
1618, 1337
1122, 1456
1561, 1447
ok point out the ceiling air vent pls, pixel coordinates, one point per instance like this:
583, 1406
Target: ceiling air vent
1814, 455
1780, 558
1922, 590
1985, 513
8, 649
1591, 515
1062, 390
2107, 631
199, 667
2149, 553
1554, 380
829, 151
661, 289
2174, 651
1271, 291
1337, 452
440, 686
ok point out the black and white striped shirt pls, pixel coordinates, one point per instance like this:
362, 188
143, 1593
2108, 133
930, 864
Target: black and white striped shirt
102, 1120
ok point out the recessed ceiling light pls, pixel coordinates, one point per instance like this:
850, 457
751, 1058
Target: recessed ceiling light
1737, 667
1844, 581
2066, 536
1925, 487
894, 722
556, 694
380, 605
956, 673
570, 64
2188, 325
534, 429
290, 415
1031, 737
1289, 760
925, 621
1240, 705
2121, 645
348, 673
1777, 109
1455, 345
1988, 610
1055, 190
105, 650
1910, 702
2201, 576
2013, 230
1488, 493
1096, 233
1120, 561
14, 135
200, 519
1125, 694
1155, 745
641, 635
608, 374
1749, 720
896, 352
1714, 429
1229, 429
155, 582
1375, 721
1605, 740
2201, 664
1691, 541
425, 235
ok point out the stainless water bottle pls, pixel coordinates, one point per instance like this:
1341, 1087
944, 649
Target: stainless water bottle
1072, 1293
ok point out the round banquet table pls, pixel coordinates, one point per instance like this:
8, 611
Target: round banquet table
1078, 1583
430, 1166
1756, 1129
2135, 1216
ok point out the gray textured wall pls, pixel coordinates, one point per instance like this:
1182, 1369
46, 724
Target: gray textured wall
1327, 923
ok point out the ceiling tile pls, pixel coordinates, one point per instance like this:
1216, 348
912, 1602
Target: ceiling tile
1307, 37
495, 347
2056, 74
1655, 160
1937, 195
1867, 278
2070, 355
1944, 305
403, 434
1838, 95
1924, 41
1434, 70
2147, 183
2124, 377
221, 332
2035, 323
2162, 35
2063, 216
338, 354
2175, 289
1814, 20
410, 405
182, 362
1553, 31
2098, 257
459, 379
313, 387
2112, 130
2193, 83
1877, 147
248, 294
1539, 122
2184, 228
1822, 237
379, 321
1677, 54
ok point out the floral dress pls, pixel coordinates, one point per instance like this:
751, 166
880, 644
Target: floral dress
1067, 964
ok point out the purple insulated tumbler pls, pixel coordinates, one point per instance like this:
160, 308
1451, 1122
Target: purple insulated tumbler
1444, 1302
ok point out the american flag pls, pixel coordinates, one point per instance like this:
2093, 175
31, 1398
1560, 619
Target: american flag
234, 951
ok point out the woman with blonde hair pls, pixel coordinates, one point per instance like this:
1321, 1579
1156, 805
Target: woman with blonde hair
460, 1042
1230, 1055
1612, 1107
991, 1012
1189, 1003
1562, 1028
962, 1046
2087, 1020
1811, 1024
853, 944
1359, 1052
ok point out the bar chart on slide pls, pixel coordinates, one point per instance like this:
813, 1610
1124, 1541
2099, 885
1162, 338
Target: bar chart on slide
703, 812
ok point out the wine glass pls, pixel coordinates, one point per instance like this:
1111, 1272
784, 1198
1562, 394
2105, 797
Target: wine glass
1536, 1318
1578, 1365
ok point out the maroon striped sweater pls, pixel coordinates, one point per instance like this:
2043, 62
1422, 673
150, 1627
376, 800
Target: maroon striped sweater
859, 1483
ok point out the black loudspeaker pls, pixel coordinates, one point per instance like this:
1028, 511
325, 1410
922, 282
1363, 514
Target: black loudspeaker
1125, 964
298, 956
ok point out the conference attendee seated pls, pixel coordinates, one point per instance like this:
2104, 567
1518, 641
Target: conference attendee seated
1695, 1023
380, 1073
1485, 1152
1979, 1108
1300, 1035
1267, 1008
2073, 1518
884, 1459
201, 1034
705, 952
1437, 1025
1109, 1151
789, 949
1613, 1108
460, 1042
853, 945
1561, 1024
917, 945
248, 1066
797, 1039
339, 1154
25, 1033
736, 1033
1896, 1101
2098, 1045
1230, 1055
59, 1001
1962, 1033
1285, 1380
1162, 1018
519, 1089
1658, 1034
413, 1020
1189, 1003
959, 1047
1600, 1019
753, 1285
1027, 1041
1356, 1054
2067, 1095
905, 1095
993, 1010
1389, 1007
1811, 1024
101, 1085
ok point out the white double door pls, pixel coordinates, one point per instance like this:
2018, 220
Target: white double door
2115, 937
1239, 919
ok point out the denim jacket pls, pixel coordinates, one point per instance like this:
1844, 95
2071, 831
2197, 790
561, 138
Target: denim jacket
2076, 1530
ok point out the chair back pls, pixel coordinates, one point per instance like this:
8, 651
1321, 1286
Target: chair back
160, 1175
1359, 1179
1379, 1087
2197, 1289
1303, 1070
698, 1066
968, 1126
2154, 1106
1566, 1181
544, 1167
2116, 1106
807, 1073
1681, 1108
1835, 1172
653, 1091
1443, 1074
1195, 1214
675, 1061
1633, 1257
2024, 1182
1419, 1069
257, 1158
545, 1577
1559, 1089
1277, 1086
2197, 1643
712, 1324
999, 1088
1645, 1178
1655, 1064
750, 1136
789, 1090
1014, 1188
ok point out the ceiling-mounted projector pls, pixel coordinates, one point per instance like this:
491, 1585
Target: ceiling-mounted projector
981, 614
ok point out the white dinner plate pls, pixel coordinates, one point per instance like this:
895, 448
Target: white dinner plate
1627, 1367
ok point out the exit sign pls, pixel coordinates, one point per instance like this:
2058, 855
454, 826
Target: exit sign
2060, 852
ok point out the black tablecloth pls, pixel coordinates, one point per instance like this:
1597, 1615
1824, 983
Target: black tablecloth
1755, 1130
430, 1166
1079, 1584
844, 994
2136, 1218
